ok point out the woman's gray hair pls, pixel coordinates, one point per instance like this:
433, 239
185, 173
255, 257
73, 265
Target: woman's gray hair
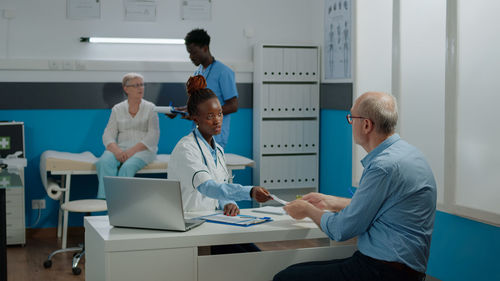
129, 76
382, 110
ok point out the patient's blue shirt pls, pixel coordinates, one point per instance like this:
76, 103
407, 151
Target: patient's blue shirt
393, 210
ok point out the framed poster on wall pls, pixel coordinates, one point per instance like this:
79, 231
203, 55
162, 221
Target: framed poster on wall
338, 41
83, 9
196, 10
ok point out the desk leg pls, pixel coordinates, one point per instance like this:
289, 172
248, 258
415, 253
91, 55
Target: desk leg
59, 218
59, 213
3, 237
65, 213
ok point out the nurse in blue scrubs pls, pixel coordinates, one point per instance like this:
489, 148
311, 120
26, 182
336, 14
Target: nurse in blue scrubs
219, 77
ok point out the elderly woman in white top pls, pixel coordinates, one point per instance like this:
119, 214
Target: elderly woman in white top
131, 136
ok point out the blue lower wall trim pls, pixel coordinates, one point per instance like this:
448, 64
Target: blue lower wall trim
335, 173
241, 142
464, 250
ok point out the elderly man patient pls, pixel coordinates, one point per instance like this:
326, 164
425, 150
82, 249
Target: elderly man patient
392, 212
131, 136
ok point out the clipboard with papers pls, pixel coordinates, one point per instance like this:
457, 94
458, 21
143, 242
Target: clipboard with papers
239, 220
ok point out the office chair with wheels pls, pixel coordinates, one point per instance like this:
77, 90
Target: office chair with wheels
79, 206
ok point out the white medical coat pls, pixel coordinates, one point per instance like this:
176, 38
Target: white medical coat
186, 164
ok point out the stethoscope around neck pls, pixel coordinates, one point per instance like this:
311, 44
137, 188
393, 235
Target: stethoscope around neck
216, 153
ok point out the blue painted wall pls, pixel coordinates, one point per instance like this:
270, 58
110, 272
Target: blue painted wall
81, 130
464, 250
461, 249
335, 167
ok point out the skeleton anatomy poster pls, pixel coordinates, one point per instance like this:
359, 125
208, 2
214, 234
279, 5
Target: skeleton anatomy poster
337, 41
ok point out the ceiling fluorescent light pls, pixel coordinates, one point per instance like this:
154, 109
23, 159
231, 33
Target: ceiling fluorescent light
117, 40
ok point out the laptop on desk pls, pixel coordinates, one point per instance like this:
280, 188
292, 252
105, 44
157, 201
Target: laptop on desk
146, 203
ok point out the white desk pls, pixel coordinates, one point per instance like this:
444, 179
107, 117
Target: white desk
66, 168
137, 254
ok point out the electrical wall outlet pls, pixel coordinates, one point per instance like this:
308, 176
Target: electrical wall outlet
37, 204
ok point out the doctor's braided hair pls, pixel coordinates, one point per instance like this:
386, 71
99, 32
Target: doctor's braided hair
197, 92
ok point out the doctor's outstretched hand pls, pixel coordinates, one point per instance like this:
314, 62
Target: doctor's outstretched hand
231, 210
260, 194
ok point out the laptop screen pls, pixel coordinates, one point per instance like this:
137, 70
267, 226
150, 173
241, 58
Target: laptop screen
144, 203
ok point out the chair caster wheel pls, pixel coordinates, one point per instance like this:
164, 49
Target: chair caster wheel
47, 263
76, 270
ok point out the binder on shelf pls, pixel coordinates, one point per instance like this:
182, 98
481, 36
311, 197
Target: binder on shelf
266, 99
290, 62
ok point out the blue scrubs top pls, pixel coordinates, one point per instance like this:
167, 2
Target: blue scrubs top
220, 79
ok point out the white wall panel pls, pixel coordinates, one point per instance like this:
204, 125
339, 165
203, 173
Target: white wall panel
477, 93
373, 57
40, 29
421, 101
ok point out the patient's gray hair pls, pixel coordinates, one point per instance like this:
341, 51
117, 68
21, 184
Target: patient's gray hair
382, 109
129, 76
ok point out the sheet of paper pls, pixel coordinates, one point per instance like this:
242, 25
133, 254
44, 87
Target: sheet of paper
277, 199
270, 210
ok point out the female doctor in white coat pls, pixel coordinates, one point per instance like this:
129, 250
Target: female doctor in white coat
197, 161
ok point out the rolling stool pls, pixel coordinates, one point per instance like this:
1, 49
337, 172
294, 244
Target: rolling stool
79, 206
